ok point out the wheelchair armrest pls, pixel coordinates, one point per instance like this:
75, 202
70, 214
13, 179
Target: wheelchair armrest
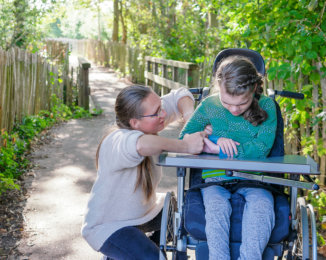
274, 180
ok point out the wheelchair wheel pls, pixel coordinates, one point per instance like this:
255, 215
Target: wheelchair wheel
300, 248
168, 236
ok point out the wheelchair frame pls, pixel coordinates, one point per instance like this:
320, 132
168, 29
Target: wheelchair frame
171, 226
303, 223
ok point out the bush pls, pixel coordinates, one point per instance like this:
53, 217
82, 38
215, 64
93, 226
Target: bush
14, 145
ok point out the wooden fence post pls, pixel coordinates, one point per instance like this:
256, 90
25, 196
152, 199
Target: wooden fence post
323, 101
192, 79
83, 86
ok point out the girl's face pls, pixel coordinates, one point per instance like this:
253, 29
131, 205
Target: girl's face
236, 105
152, 120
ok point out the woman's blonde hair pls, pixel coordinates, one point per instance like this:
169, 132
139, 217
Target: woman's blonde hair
128, 105
238, 75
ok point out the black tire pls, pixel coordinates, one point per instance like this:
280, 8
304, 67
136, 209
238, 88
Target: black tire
301, 248
168, 238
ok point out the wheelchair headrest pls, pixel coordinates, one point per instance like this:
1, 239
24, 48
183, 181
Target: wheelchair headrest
254, 56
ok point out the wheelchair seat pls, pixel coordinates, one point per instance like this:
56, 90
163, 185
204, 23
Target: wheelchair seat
194, 223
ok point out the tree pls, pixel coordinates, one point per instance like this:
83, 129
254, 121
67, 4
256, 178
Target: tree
116, 14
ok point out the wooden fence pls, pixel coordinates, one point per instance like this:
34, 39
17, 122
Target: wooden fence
27, 81
124, 59
164, 75
133, 62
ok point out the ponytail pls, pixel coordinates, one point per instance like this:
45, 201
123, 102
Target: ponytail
128, 106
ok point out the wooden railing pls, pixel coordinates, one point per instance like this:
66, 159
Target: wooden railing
164, 75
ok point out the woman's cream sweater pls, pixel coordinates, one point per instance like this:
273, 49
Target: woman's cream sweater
114, 203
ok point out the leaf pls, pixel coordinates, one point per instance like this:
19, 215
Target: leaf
271, 73
322, 250
322, 51
315, 77
312, 5
308, 44
311, 55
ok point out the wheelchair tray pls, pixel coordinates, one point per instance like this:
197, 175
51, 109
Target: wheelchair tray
294, 164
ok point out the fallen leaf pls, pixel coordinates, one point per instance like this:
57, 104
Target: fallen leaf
322, 250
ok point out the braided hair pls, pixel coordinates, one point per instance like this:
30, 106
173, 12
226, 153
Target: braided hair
238, 76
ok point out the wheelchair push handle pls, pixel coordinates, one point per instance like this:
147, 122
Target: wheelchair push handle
201, 92
285, 93
271, 93
196, 91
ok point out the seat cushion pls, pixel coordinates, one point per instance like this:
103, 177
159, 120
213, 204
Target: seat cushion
194, 217
202, 251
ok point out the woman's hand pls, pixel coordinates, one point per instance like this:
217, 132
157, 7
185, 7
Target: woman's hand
195, 142
228, 146
210, 147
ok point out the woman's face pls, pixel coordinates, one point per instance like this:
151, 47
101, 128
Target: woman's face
236, 105
152, 120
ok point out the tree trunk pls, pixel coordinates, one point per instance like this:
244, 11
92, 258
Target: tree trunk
115, 33
124, 26
98, 21
19, 36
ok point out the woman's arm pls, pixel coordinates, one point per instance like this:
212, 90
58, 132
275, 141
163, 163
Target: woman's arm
186, 107
148, 145
178, 103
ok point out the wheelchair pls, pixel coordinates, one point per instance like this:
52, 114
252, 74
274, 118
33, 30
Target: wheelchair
183, 218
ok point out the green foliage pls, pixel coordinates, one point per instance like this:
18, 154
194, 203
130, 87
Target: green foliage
78, 19
170, 29
97, 111
14, 145
19, 23
318, 201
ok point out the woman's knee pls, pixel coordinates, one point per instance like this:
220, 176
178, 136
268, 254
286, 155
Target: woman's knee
129, 243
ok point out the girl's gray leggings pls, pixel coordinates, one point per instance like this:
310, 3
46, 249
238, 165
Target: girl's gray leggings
257, 222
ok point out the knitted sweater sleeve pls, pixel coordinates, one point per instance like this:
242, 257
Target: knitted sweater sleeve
260, 146
197, 122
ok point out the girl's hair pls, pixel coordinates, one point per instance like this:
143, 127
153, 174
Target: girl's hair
127, 106
238, 76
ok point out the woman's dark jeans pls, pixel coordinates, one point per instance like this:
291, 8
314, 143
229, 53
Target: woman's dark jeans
131, 242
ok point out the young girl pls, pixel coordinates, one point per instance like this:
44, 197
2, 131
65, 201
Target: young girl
123, 203
243, 125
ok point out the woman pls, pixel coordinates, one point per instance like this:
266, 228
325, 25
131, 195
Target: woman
124, 204
243, 125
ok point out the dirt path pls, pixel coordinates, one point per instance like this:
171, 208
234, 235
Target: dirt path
65, 172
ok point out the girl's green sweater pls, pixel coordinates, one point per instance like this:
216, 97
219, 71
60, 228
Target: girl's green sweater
255, 141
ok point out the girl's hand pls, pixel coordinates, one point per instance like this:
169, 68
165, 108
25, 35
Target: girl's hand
208, 129
195, 142
210, 147
228, 146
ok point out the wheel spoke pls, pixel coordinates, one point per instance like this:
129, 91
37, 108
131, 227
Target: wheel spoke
167, 239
